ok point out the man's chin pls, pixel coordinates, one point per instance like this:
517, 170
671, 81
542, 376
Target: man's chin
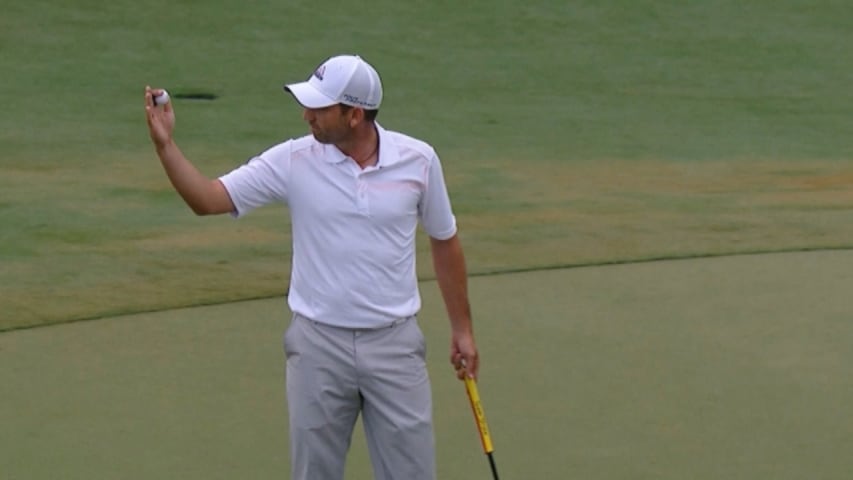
320, 138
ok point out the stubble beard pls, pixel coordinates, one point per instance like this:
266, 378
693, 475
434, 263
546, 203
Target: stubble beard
330, 138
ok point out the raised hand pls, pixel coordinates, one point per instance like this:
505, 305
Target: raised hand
161, 119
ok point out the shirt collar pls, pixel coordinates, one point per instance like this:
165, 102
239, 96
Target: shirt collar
387, 150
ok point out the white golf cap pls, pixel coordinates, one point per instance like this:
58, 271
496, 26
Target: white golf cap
343, 79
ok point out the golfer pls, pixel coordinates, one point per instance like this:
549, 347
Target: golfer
356, 194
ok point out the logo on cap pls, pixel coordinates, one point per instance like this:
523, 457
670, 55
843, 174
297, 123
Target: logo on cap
320, 71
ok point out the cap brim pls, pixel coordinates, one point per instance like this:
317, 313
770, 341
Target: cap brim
308, 96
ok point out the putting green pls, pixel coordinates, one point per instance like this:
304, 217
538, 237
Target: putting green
734, 367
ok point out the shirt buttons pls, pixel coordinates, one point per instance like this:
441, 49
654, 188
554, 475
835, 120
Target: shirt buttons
361, 198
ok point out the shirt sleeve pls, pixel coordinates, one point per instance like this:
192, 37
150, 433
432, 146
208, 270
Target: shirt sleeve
435, 210
260, 181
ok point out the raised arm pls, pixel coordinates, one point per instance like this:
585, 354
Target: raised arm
451, 274
204, 196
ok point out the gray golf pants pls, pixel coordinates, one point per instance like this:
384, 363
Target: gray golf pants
335, 373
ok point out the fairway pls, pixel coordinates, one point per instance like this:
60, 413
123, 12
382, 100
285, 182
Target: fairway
735, 367
570, 133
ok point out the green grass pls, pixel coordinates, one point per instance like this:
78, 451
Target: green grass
570, 132
736, 368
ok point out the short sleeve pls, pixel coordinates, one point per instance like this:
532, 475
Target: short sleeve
435, 210
260, 181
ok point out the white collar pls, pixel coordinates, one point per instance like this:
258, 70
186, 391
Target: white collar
388, 154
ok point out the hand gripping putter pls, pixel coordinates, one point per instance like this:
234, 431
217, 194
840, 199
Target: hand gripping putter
480, 417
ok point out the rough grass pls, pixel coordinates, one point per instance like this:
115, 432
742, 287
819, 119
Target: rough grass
130, 244
571, 133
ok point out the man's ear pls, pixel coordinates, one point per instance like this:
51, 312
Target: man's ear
357, 117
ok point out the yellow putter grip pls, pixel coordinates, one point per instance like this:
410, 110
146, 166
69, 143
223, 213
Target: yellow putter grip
477, 408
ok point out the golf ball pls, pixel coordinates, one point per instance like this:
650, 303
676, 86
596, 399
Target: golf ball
162, 99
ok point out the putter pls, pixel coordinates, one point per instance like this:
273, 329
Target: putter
480, 417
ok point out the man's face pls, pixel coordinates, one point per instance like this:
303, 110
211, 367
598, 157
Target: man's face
330, 124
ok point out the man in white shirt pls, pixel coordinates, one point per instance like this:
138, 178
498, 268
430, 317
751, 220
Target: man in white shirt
356, 194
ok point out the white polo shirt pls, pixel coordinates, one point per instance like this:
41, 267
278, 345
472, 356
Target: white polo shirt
353, 230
